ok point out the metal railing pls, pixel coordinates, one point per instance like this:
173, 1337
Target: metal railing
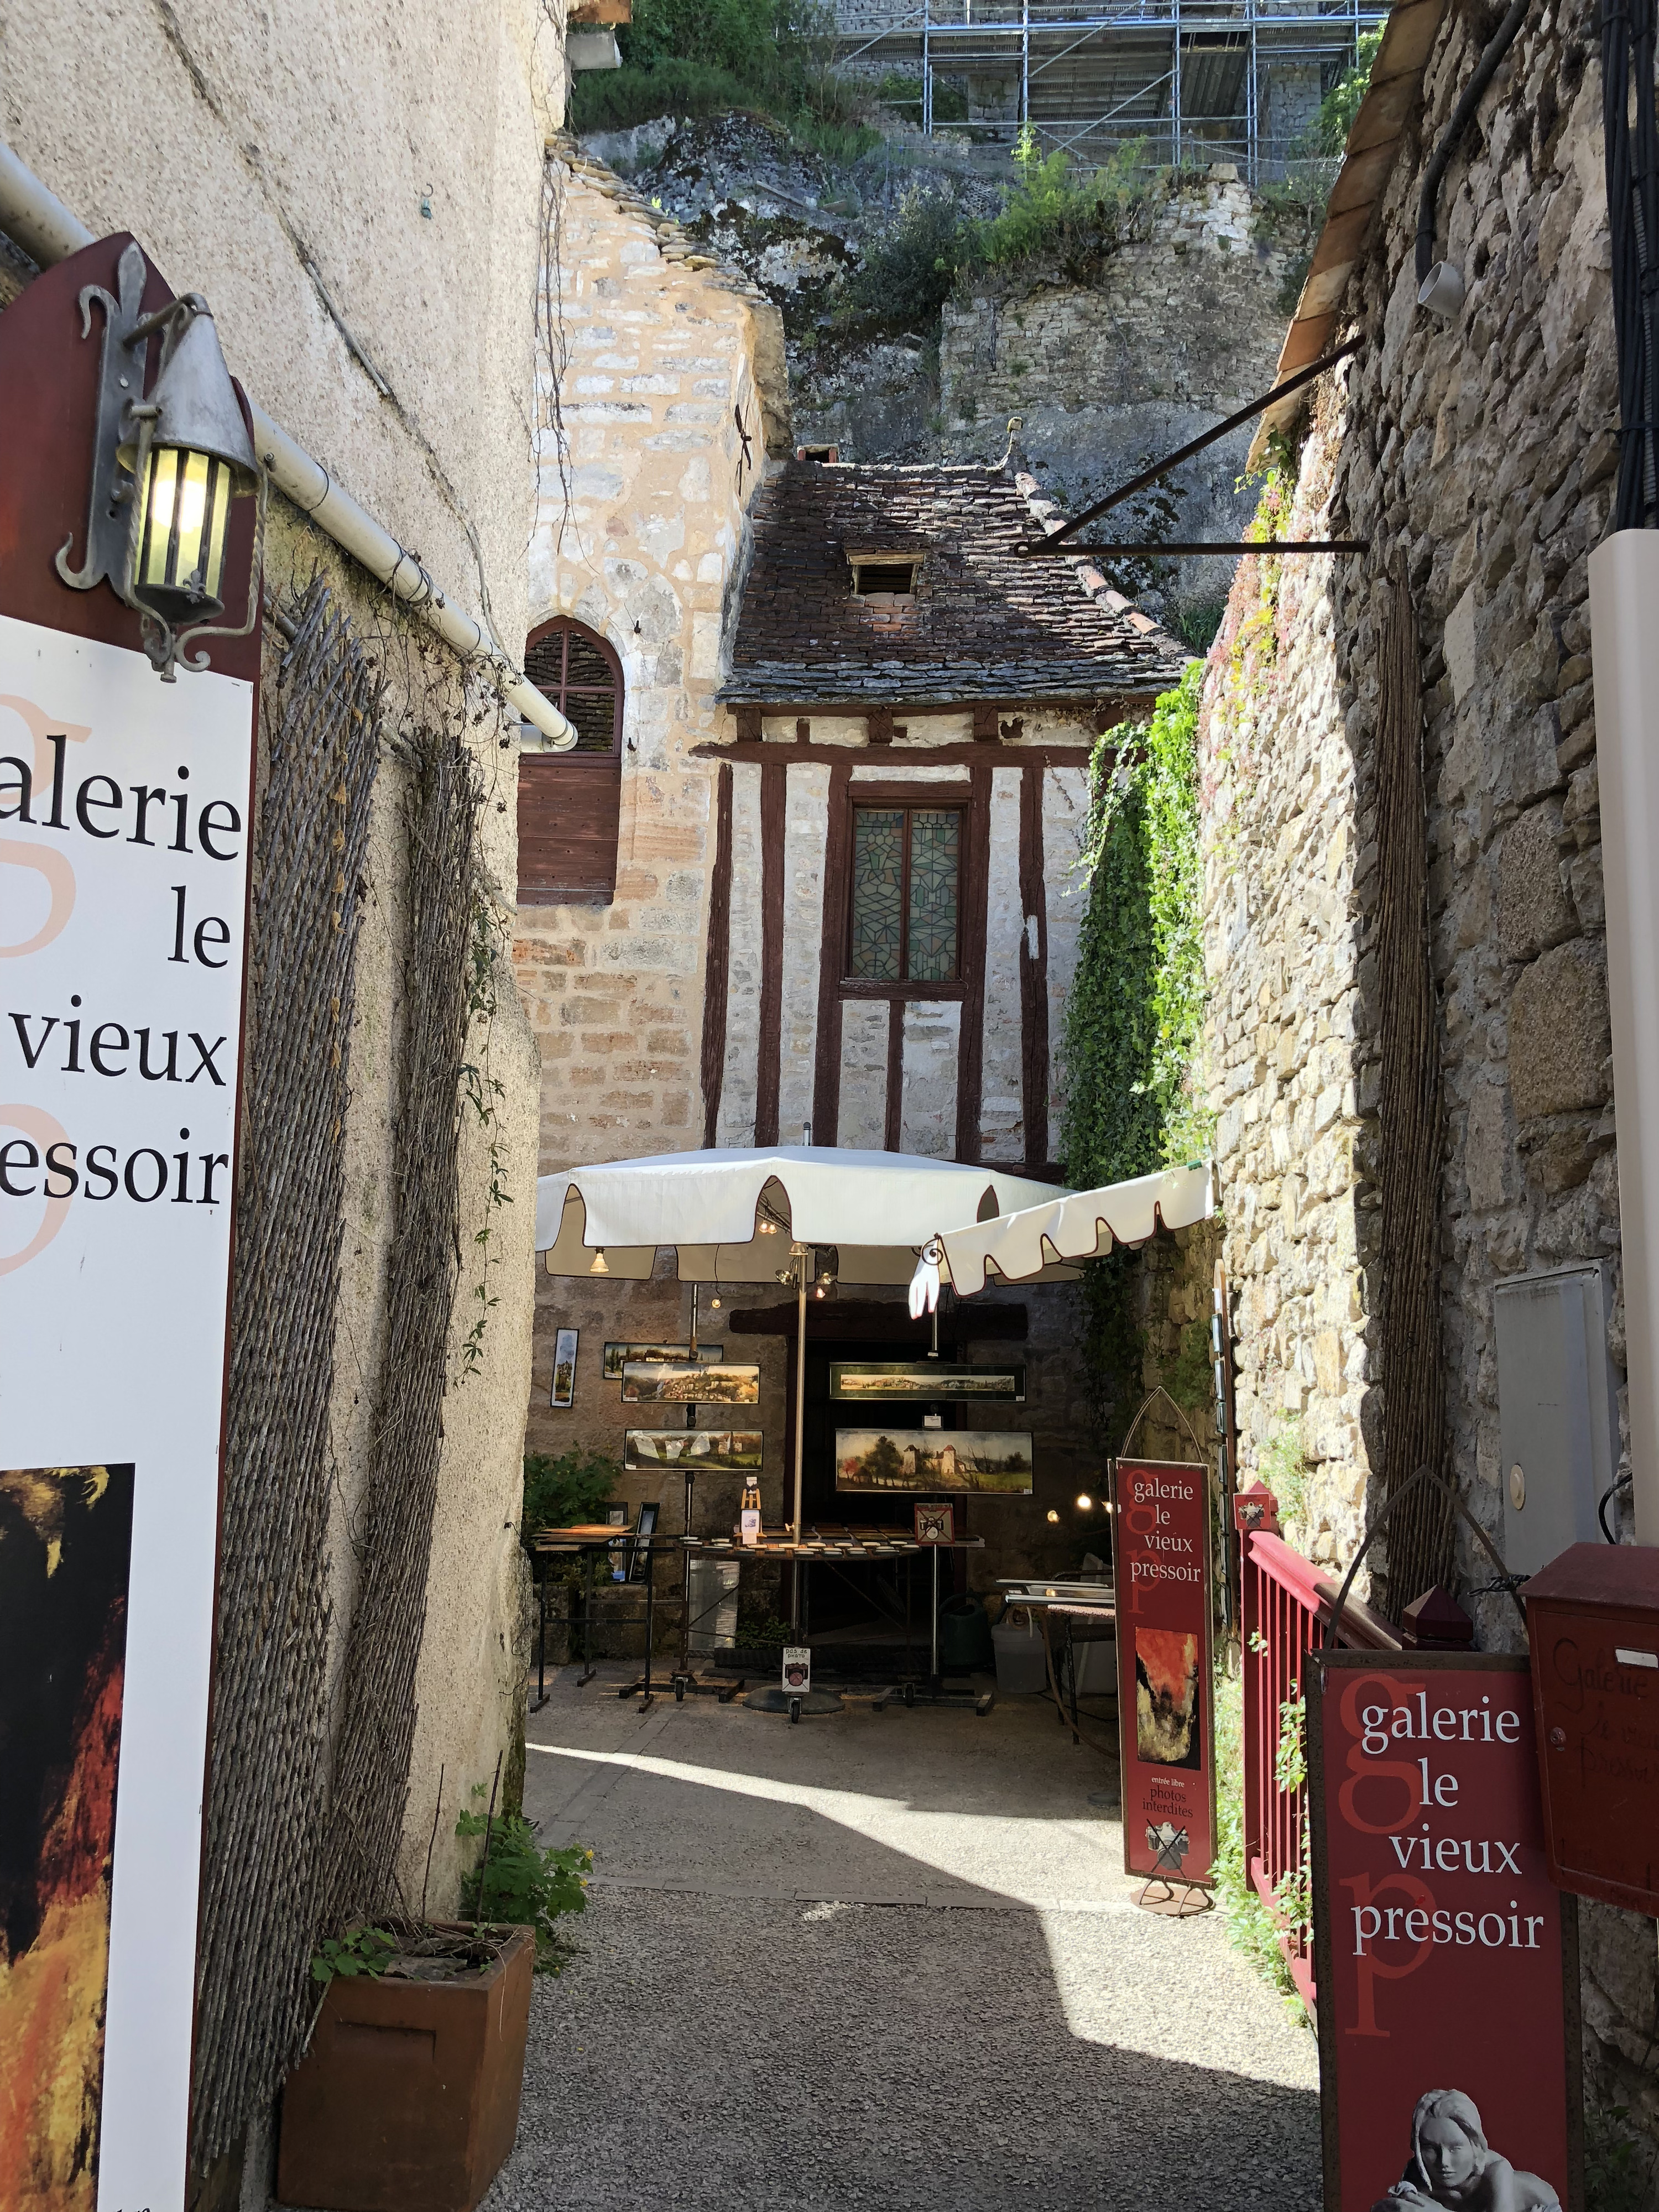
1285, 1603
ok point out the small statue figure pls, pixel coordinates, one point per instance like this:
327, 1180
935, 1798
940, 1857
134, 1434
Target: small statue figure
1451, 2166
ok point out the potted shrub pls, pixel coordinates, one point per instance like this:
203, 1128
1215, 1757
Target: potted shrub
407, 2097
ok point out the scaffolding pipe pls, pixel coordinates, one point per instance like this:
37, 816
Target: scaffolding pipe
35, 219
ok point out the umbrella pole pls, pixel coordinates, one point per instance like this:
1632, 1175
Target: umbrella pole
800, 1418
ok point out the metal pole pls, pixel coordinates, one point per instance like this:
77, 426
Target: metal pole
926, 97
1174, 95
1252, 109
932, 1672
798, 1254
1025, 62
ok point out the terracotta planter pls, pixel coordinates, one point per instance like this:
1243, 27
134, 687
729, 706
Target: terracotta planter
408, 2098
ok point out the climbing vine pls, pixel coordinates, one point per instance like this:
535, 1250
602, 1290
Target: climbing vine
481, 1088
1136, 1010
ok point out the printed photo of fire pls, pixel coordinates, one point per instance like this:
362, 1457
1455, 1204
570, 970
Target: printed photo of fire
1166, 1698
65, 1545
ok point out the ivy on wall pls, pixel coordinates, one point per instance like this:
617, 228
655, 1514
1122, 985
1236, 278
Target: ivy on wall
1135, 1013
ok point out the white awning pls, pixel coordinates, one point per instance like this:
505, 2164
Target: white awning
1082, 1224
879, 1208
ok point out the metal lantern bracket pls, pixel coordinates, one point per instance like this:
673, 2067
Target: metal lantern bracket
124, 418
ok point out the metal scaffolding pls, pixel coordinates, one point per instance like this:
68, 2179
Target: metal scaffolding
1188, 80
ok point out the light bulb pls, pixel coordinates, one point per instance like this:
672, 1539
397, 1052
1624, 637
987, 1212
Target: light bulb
598, 1266
1053, 1515
715, 1305
1084, 1503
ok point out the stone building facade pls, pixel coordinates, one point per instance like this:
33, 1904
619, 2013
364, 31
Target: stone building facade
1473, 455
764, 693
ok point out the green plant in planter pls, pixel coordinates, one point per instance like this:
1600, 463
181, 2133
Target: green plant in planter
516, 1881
359, 1951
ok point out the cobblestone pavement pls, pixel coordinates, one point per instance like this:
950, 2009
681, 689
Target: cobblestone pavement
884, 1959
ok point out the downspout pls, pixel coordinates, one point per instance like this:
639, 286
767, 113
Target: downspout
1428, 207
38, 222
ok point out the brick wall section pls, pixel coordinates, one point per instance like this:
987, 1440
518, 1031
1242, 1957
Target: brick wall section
1478, 452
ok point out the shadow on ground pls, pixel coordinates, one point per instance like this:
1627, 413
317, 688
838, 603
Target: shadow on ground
886, 1960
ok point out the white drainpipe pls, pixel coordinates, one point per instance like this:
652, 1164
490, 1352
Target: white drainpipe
39, 222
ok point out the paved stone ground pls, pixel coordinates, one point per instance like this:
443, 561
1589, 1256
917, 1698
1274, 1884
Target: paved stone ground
884, 1959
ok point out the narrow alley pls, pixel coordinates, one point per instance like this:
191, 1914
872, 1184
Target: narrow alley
887, 1959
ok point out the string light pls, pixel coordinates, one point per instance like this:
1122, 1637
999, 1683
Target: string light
1053, 1514
1085, 1502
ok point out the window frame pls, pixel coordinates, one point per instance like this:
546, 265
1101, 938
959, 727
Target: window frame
568, 626
592, 780
908, 799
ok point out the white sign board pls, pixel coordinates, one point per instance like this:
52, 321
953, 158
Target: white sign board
797, 1670
124, 809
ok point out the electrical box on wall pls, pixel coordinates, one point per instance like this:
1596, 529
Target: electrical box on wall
1593, 1623
1558, 1411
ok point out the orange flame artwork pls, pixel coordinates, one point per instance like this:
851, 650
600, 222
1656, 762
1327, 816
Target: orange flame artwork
65, 1540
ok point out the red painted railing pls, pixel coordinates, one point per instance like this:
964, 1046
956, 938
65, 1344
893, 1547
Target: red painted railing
1286, 1601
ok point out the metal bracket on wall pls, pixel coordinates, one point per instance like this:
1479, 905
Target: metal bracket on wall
1053, 543
120, 382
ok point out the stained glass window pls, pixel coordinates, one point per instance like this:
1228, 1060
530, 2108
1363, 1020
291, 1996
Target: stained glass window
935, 843
906, 866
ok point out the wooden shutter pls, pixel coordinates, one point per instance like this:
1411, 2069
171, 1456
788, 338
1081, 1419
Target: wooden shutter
570, 803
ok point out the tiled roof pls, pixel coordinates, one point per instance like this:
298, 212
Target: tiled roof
986, 623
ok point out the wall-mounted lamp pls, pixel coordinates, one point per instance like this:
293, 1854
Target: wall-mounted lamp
165, 469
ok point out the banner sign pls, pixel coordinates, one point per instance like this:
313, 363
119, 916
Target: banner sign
1446, 1960
124, 815
1161, 1546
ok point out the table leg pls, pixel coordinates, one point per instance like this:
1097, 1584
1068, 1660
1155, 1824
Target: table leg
541, 1639
586, 1675
650, 1624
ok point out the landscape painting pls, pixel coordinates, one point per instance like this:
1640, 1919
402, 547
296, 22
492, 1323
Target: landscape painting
701, 1451
687, 1382
1166, 1698
930, 1459
65, 1546
617, 1356
925, 1378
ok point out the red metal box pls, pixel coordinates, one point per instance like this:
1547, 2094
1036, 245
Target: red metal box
1593, 1618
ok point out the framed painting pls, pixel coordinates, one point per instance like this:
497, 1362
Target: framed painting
700, 1451
617, 1356
851, 1380
927, 1459
563, 1393
687, 1382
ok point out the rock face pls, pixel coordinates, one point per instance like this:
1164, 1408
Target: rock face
1180, 328
1476, 454
1177, 329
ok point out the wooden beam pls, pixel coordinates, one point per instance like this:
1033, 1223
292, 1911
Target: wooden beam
718, 959
774, 810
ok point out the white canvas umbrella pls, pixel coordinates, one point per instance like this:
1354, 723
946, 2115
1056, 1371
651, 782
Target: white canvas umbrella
1024, 1245
725, 1210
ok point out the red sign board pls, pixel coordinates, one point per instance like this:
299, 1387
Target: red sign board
1593, 1620
1446, 1959
1161, 1542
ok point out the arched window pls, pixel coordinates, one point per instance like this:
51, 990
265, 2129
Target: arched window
570, 803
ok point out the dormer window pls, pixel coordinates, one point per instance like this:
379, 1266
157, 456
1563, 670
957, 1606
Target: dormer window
884, 576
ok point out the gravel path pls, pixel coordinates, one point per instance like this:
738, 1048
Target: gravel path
752, 2037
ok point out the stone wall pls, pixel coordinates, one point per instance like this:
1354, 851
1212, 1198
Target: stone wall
325, 228
1179, 328
669, 395
1477, 453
